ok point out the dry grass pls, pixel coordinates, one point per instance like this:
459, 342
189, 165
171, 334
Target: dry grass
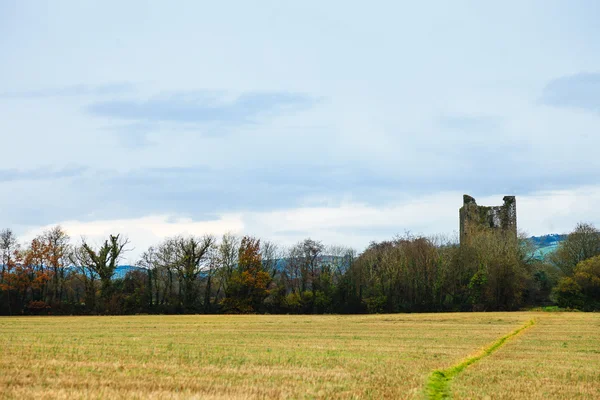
558, 358
253, 357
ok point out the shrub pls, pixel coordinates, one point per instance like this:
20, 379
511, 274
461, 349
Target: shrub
37, 308
568, 294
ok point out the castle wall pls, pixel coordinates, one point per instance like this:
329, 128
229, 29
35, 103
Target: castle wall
474, 217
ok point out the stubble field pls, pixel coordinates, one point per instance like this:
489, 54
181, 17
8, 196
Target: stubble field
254, 357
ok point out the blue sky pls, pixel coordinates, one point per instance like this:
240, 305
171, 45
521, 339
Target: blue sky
344, 121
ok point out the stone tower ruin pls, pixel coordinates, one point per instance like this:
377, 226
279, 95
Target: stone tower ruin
474, 218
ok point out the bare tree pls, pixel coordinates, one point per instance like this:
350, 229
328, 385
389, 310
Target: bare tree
160, 260
187, 258
303, 267
227, 257
148, 262
192, 259
8, 245
341, 260
272, 256
84, 274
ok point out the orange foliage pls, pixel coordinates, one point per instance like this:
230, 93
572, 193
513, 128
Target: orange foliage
26, 270
249, 284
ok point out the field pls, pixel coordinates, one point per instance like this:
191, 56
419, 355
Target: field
252, 357
560, 358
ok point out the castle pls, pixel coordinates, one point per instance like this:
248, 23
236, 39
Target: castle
474, 217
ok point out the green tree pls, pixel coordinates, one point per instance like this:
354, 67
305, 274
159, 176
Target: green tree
568, 293
582, 290
192, 258
587, 275
101, 262
581, 244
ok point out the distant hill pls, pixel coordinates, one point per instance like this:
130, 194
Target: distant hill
548, 240
122, 270
546, 244
280, 265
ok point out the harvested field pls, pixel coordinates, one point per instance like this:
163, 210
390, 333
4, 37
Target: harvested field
254, 357
557, 358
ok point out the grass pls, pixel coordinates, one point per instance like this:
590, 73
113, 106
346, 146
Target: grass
558, 358
438, 385
258, 357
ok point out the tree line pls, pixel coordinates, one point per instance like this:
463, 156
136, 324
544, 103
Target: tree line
231, 274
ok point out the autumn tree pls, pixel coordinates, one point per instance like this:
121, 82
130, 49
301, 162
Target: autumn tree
34, 262
57, 248
17, 280
249, 284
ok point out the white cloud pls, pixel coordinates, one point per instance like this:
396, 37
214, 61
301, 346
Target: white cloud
558, 211
143, 232
348, 223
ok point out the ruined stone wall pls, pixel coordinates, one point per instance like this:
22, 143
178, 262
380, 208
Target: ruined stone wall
473, 217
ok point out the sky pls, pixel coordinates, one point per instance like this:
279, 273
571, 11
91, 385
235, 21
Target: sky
343, 121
